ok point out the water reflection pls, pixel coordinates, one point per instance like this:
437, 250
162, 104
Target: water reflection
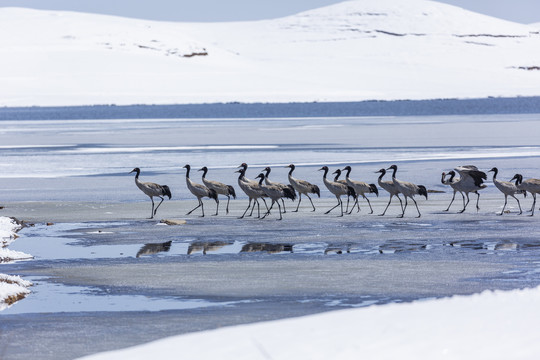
206, 246
267, 247
151, 249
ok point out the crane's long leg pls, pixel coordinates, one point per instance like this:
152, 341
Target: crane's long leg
520, 212
279, 207
505, 201
311, 201
249, 205
416, 207
283, 202
272, 205
465, 204
152, 211
387, 205
202, 208
228, 199
217, 207
265, 204
352, 208
477, 200
406, 203
157, 207
339, 203
534, 203
299, 200
453, 197
196, 207
368, 204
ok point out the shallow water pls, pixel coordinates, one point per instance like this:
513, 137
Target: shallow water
103, 262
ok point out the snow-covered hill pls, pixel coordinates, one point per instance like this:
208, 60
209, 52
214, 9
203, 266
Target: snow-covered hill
355, 50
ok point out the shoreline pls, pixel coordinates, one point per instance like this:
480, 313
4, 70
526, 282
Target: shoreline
471, 106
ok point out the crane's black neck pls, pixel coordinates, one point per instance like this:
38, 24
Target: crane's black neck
204, 170
383, 172
188, 168
348, 168
452, 174
495, 172
291, 171
261, 176
267, 170
394, 172
325, 172
338, 174
242, 173
137, 172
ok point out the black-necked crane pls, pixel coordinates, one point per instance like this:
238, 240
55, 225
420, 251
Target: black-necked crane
507, 188
152, 189
530, 185
471, 180
303, 187
350, 191
199, 191
275, 193
390, 188
219, 187
361, 188
408, 189
253, 192
336, 188
267, 181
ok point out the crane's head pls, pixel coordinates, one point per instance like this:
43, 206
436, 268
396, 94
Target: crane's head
324, 168
393, 167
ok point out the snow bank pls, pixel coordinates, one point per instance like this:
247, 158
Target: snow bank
8, 233
8, 230
351, 51
12, 289
490, 325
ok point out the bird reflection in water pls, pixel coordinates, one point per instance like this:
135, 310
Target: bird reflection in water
206, 246
266, 247
151, 249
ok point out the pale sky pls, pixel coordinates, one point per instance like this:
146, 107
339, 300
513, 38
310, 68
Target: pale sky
523, 11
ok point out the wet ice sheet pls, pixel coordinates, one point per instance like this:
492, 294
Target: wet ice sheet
47, 297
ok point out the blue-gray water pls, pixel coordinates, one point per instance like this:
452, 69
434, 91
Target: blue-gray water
106, 277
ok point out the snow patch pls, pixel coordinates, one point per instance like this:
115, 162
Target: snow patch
490, 325
351, 51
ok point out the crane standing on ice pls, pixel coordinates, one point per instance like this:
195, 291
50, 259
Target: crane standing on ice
151, 189
199, 191
220, 188
408, 190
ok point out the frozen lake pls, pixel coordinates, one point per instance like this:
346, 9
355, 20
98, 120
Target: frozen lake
106, 277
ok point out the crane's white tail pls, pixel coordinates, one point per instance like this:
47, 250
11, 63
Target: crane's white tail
422, 190
373, 189
165, 191
231, 191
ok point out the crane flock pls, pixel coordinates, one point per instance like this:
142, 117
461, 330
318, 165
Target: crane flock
470, 180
